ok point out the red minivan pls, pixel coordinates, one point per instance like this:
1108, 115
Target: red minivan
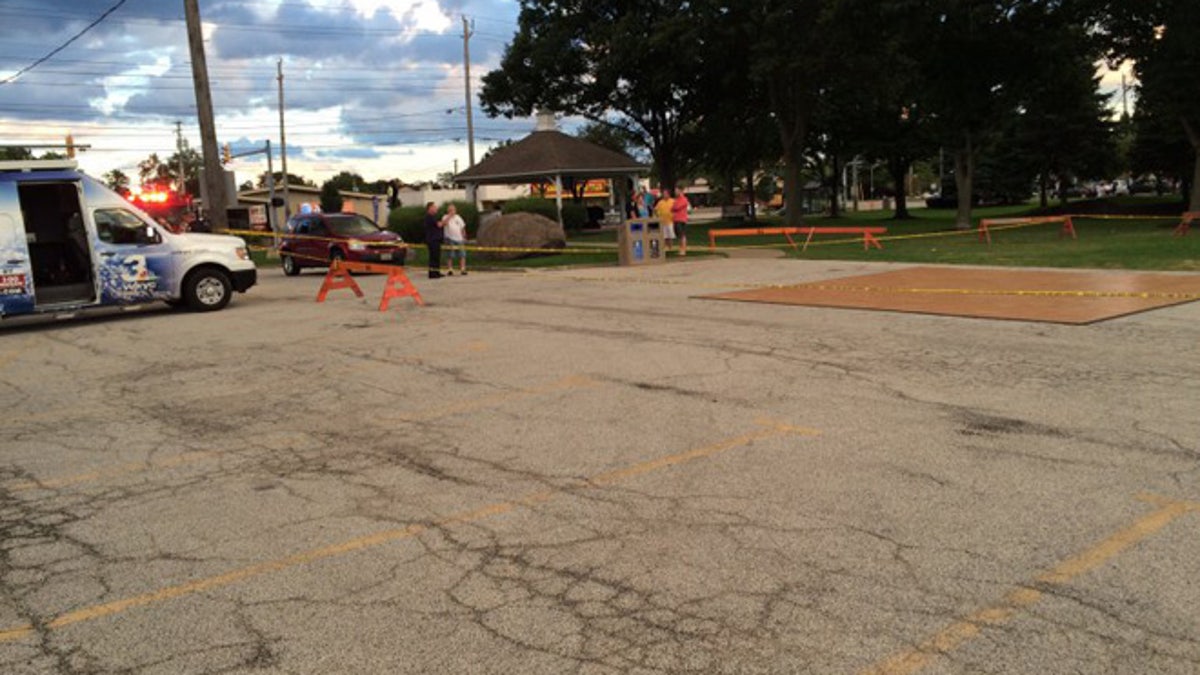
316, 239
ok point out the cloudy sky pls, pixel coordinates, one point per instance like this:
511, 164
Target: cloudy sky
372, 86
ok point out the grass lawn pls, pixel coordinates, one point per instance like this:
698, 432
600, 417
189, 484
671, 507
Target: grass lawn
1115, 244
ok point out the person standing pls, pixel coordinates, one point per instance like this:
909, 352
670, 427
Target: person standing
679, 217
648, 200
433, 240
455, 231
663, 211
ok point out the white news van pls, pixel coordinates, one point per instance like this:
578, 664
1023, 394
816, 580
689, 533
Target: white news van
67, 242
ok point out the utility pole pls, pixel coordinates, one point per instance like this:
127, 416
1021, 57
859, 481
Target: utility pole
287, 204
214, 174
272, 217
467, 33
179, 152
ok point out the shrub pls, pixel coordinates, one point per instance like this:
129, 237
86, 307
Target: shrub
408, 222
575, 216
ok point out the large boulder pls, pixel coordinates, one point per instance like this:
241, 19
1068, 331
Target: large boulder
519, 231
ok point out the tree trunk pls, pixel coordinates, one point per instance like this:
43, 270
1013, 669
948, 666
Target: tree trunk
791, 189
1044, 186
1193, 135
835, 194
665, 159
964, 182
1194, 200
752, 194
898, 167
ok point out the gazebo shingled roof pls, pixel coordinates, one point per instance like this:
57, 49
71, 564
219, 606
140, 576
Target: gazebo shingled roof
548, 153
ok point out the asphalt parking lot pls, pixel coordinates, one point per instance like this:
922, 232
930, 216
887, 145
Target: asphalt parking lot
593, 471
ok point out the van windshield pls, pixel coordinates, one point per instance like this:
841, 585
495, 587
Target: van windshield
352, 225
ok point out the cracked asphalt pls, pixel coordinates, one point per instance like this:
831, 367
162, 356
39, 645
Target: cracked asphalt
595, 471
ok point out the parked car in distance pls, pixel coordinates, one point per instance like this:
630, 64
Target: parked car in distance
317, 239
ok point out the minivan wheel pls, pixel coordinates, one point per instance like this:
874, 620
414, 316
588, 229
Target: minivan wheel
290, 267
338, 254
207, 289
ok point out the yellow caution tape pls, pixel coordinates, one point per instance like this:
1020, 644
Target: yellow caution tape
611, 249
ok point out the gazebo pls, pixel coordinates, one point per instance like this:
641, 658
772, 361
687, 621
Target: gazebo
548, 155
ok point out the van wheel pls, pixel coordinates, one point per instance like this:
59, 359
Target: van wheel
207, 289
290, 267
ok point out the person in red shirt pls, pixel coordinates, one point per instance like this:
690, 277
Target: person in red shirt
679, 211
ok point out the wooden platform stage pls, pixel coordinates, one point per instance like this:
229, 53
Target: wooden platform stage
1068, 297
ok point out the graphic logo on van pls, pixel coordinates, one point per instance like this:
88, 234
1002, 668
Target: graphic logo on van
12, 284
134, 270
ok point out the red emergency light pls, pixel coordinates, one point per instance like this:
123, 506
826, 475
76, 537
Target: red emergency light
153, 197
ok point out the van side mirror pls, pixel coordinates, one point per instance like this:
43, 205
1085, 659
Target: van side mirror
150, 236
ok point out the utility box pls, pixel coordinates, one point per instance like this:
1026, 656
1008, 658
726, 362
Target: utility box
640, 242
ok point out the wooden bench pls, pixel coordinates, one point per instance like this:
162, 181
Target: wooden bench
868, 234
985, 234
1186, 223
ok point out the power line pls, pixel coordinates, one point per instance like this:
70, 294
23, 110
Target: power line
47, 57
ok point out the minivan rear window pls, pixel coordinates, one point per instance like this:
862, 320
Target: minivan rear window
352, 225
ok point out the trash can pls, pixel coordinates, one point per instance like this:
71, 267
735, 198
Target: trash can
640, 242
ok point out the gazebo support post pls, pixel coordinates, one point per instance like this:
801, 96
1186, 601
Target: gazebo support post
558, 187
473, 194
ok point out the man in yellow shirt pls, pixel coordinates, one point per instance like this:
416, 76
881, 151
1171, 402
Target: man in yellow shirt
663, 209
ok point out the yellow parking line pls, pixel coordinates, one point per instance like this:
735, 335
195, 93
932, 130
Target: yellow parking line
372, 540
956, 634
132, 467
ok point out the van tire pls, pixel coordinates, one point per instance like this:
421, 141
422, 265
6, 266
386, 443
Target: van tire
290, 267
207, 289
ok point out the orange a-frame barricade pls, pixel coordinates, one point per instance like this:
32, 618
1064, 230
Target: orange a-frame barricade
986, 235
397, 284
1186, 223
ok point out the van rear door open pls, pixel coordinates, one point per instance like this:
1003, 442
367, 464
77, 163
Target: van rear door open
16, 278
57, 241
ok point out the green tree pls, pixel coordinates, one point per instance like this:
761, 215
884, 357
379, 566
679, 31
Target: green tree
293, 179
972, 63
1160, 37
796, 50
497, 147
153, 171
117, 180
193, 162
604, 60
607, 135
893, 121
734, 140
13, 153
331, 199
